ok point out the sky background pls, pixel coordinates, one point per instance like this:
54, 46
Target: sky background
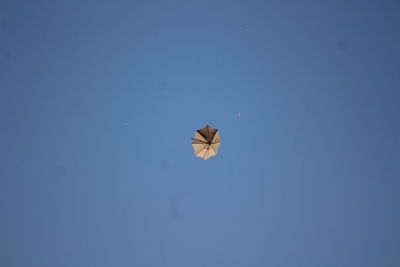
99, 101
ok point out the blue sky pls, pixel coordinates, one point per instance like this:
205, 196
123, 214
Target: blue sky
99, 101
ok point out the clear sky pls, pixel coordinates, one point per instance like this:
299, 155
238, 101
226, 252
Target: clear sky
99, 102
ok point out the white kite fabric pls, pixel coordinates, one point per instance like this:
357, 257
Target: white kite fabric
206, 142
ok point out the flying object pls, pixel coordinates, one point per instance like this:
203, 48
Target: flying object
206, 142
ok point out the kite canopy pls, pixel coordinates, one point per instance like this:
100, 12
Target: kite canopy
206, 142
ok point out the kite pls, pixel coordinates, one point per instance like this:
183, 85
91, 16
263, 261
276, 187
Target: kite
206, 142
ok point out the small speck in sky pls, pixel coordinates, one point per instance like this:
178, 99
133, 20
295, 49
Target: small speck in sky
238, 114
